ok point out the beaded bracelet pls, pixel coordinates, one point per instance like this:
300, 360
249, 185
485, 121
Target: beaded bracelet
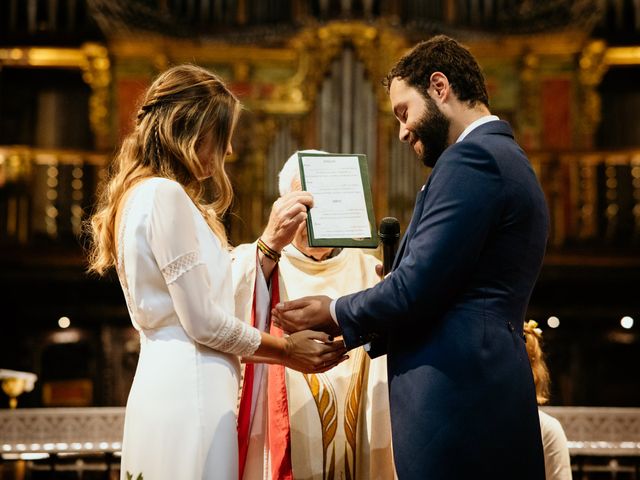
268, 251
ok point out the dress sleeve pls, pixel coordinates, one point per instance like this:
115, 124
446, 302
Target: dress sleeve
173, 238
556, 452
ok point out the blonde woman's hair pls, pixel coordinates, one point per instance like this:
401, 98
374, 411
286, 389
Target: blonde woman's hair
533, 337
182, 106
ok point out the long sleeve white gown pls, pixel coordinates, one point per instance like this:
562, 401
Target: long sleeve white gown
180, 418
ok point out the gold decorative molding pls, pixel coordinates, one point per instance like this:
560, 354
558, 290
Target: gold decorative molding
178, 51
91, 59
239, 61
635, 182
50, 209
96, 72
14, 172
317, 47
623, 56
77, 197
252, 140
13, 167
26, 156
308, 56
592, 68
595, 61
35, 196
564, 44
588, 196
612, 197
42, 57
529, 112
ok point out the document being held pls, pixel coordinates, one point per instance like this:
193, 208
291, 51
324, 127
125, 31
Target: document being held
342, 214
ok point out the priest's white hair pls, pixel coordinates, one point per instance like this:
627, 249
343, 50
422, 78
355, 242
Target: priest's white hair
291, 171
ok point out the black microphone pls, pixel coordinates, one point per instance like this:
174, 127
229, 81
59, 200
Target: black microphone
389, 236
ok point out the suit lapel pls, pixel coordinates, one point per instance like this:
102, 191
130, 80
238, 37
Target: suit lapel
415, 218
499, 127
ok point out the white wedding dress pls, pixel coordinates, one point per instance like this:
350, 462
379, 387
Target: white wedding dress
180, 419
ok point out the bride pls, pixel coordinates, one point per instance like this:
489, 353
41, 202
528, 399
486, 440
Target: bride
170, 252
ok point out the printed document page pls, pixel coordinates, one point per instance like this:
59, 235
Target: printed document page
339, 206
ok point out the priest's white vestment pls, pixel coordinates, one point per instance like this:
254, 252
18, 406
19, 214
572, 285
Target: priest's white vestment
339, 420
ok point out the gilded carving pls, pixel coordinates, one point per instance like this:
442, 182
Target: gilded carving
635, 182
92, 59
307, 56
42, 57
592, 69
528, 116
611, 196
96, 72
252, 139
376, 47
588, 196
622, 56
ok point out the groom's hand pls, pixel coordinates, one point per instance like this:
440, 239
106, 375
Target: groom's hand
306, 313
380, 271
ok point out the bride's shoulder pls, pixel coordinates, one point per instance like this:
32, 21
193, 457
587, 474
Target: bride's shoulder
165, 189
162, 195
164, 184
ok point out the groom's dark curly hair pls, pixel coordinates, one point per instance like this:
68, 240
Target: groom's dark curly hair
442, 54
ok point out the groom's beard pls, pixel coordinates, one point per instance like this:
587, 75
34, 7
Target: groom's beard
433, 132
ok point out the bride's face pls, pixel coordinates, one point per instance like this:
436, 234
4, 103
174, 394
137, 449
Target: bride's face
204, 151
206, 155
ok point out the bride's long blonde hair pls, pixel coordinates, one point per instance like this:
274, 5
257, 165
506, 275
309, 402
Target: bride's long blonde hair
182, 106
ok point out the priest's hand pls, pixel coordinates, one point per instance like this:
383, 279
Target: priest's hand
313, 352
306, 313
287, 213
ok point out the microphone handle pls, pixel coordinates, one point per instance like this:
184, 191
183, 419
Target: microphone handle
388, 256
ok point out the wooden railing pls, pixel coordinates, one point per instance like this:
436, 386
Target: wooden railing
45, 193
603, 442
594, 197
589, 430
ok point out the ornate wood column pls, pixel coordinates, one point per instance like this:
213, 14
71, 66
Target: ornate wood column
592, 68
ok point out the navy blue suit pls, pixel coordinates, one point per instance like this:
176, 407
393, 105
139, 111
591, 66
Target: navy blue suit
450, 316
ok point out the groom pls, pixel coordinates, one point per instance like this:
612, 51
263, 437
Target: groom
450, 315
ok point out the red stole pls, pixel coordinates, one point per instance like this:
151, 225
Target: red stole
279, 430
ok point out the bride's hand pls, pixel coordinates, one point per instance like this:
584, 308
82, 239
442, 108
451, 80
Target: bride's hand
313, 352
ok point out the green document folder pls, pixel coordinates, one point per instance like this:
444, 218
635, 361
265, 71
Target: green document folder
330, 219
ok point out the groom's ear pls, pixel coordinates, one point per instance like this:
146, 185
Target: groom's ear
439, 87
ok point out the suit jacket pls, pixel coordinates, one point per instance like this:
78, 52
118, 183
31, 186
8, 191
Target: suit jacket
451, 314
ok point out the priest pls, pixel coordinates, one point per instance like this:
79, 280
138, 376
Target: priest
311, 426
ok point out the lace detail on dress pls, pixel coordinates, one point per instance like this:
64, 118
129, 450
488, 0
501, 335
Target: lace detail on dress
180, 266
236, 337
